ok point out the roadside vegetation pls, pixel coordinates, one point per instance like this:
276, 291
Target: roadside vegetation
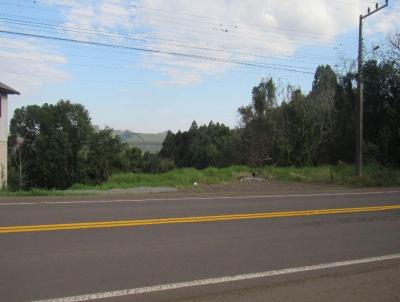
375, 175
282, 134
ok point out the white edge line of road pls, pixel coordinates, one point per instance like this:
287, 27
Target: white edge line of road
203, 282
194, 198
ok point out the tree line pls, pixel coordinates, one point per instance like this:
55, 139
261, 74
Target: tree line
305, 129
56, 146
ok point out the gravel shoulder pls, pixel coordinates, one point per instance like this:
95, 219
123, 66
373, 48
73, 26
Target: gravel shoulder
237, 188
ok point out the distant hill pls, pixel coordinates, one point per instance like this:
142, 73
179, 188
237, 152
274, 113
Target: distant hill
151, 142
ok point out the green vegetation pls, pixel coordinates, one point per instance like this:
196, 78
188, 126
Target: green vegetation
375, 175
301, 129
283, 134
210, 145
56, 146
179, 178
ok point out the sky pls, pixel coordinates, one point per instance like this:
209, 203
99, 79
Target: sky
156, 65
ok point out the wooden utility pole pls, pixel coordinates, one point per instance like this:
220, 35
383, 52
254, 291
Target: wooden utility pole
359, 139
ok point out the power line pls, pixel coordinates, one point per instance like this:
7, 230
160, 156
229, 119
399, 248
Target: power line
163, 39
149, 38
278, 65
189, 23
147, 50
114, 35
64, 28
218, 21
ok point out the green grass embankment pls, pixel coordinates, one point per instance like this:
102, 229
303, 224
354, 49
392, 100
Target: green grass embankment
374, 176
178, 178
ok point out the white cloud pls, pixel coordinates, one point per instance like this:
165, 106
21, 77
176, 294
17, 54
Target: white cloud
255, 31
27, 66
250, 31
87, 18
384, 22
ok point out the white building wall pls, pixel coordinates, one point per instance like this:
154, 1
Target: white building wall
3, 140
3, 164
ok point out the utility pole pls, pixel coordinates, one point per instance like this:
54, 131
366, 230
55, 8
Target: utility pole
359, 140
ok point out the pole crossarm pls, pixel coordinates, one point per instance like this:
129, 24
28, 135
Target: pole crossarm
377, 9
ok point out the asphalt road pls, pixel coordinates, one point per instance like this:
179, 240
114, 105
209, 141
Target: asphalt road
63, 263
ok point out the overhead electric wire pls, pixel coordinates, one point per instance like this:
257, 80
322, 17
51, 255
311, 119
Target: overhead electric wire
157, 51
190, 24
119, 34
231, 52
248, 39
147, 50
217, 21
235, 72
272, 65
185, 46
229, 79
150, 38
116, 35
360, 5
92, 66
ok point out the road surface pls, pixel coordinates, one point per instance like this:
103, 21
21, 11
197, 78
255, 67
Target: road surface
312, 246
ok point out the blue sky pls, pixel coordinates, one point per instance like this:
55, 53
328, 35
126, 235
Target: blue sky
149, 92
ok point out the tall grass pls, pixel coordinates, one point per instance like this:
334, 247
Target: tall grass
374, 175
178, 178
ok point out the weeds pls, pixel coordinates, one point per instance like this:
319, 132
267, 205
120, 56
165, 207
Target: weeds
374, 175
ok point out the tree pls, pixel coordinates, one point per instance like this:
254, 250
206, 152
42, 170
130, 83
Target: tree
382, 111
53, 136
60, 147
200, 147
321, 101
393, 51
258, 122
343, 145
132, 159
103, 156
169, 146
16, 156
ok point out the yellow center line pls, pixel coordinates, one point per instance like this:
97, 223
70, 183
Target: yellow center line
196, 219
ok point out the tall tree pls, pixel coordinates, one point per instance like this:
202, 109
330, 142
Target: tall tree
200, 147
53, 139
60, 146
382, 111
321, 107
259, 124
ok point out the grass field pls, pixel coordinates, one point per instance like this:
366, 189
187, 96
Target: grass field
374, 175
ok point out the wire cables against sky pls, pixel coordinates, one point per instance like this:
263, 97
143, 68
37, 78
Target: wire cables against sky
192, 56
158, 32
